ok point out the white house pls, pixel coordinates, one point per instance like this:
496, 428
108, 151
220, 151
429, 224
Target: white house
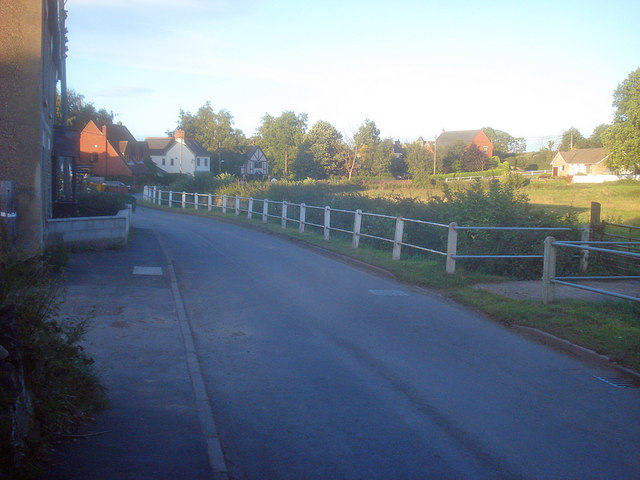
255, 164
179, 154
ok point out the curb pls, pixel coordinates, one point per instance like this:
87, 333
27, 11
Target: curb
203, 405
575, 350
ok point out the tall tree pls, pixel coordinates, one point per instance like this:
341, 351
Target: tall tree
571, 138
595, 140
81, 111
504, 144
622, 139
280, 138
473, 159
419, 160
216, 133
319, 156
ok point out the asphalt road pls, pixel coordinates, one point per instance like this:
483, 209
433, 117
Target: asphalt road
319, 370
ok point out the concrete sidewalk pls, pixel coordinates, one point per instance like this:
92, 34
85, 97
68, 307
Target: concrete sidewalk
151, 429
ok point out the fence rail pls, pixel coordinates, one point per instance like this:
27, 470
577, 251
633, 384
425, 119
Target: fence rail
529, 173
324, 219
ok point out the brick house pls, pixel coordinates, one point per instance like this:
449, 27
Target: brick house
112, 151
179, 154
468, 137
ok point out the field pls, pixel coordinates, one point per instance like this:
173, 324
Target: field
620, 200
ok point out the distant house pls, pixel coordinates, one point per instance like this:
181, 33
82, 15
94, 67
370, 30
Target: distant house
255, 164
583, 161
179, 154
112, 151
467, 137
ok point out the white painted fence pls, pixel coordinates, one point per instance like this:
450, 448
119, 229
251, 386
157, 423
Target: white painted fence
200, 201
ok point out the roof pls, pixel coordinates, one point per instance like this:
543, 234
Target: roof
584, 156
448, 138
196, 147
161, 145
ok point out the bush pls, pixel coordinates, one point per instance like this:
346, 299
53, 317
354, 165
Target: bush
58, 374
96, 204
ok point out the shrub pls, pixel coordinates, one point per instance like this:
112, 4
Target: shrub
95, 204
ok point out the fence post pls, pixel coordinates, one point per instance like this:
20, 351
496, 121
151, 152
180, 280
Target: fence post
154, 197
284, 214
209, 202
250, 208
397, 239
584, 257
224, 204
548, 270
8, 211
237, 205
452, 246
159, 197
170, 198
265, 210
357, 223
595, 213
184, 200
195, 201
327, 222
303, 215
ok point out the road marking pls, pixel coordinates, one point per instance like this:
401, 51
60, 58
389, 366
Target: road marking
615, 382
389, 293
137, 270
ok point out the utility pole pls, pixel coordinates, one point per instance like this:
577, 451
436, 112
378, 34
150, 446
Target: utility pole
219, 160
435, 152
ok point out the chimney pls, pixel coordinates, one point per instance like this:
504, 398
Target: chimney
179, 133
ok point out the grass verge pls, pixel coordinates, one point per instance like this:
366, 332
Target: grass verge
609, 328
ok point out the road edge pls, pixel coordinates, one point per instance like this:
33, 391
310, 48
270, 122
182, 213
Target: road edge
203, 405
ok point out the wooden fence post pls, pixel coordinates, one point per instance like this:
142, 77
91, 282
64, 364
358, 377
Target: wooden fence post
8, 212
326, 231
265, 210
237, 205
303, 215
397, 239
209, 202
224, 204
452, 246
195, 201
548, 270
284, 214
250, 208
584, 256
184, 200
357, 224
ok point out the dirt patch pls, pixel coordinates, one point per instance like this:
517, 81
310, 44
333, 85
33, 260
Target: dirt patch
532, 290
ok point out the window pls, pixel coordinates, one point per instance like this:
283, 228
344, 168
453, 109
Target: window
206, 161
485, 149
198, 161
172, 162
163, 162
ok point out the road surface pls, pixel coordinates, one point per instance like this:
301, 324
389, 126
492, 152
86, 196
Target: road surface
319, 370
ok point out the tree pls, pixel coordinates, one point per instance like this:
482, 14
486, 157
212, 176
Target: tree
473, 159
595, 140
362, 145
281, 137
216, 133
504, 144
622, 139
419, 160
571, 138
449, 159
319, 155
80, 112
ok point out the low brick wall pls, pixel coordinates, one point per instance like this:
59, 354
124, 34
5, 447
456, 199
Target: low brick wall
90, 231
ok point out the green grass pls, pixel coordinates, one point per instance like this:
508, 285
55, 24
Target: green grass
609, 328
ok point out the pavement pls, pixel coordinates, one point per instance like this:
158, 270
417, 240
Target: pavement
151, 429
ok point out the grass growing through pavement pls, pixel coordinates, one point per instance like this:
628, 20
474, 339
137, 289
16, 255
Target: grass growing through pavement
609, 328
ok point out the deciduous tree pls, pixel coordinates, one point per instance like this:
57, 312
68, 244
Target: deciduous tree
280, 138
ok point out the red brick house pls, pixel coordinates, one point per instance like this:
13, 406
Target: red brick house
468, 137
112, 151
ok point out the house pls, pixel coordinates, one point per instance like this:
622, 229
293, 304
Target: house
583, 161
255, 164
112, 151
32, 66
179, 154
467, 137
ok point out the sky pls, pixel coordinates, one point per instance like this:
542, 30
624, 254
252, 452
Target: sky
530, 68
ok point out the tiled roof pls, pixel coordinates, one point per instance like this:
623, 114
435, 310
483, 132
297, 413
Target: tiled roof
584, 156
448, 138
159, 145
196, 147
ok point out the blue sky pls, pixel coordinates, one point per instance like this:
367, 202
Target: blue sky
531, 68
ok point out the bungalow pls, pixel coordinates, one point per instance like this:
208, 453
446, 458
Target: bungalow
255, 164
583, 161
179, 154
112, 151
